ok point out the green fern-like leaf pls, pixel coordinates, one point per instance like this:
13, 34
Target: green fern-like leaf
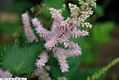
20, 60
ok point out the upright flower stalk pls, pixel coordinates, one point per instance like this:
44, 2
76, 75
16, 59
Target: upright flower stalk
27, 28
61, 30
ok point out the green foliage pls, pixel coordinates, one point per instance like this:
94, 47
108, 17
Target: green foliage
66, 13
82, 74
8, 29
43, 8
51, 3
102, 71
72, 71
20, 60
20, 6
1, 51
54, 3
99, 10
100, 32
89, 50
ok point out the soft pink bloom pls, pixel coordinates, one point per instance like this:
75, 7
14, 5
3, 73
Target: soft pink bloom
48, 68
79, 33
40, 29
62, 60
60, 33
51, 43
38, 72
56, 14
5, 74
43, 59
61, 30
27, 28
41, 74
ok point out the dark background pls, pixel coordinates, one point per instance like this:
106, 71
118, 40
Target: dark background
111, 8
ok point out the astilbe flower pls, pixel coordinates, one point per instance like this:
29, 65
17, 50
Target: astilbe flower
42, 60
42, 74
5, 74
61, 30
27, 28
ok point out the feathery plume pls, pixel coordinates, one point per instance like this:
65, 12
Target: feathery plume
43, 59
27, 28
61, 30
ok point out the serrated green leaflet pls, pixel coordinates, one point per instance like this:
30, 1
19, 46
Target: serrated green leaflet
20, 60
